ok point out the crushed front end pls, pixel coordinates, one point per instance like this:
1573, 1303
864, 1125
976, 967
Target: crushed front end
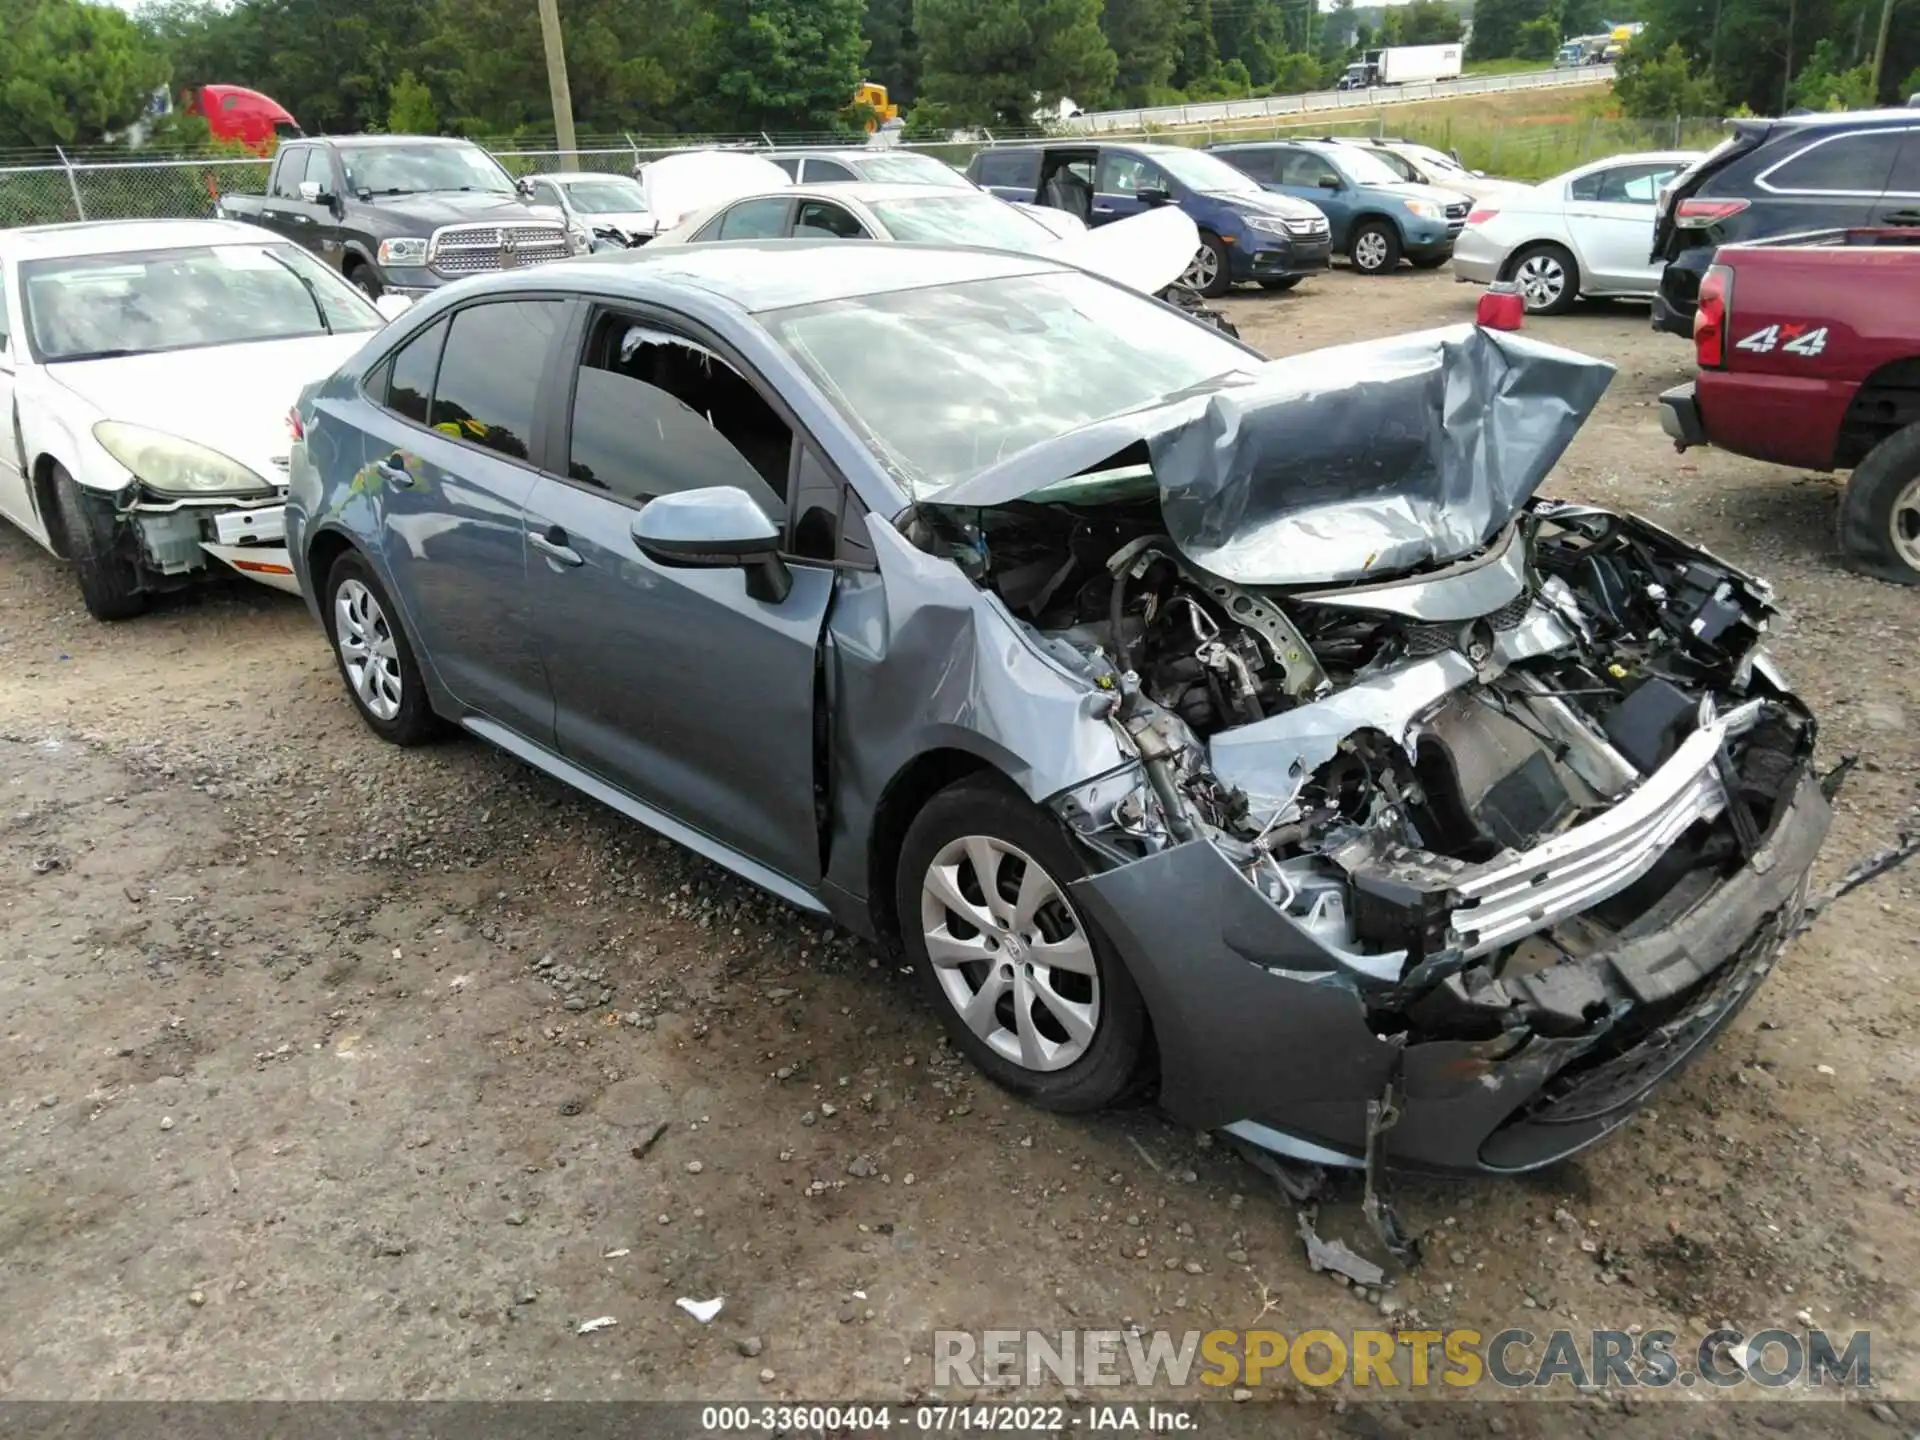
1494, 844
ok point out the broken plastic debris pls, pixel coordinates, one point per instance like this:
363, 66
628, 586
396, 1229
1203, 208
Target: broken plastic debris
616, 1254
1337, 1255
702, 1310
599, 1322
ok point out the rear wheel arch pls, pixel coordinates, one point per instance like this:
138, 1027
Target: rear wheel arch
1886, 403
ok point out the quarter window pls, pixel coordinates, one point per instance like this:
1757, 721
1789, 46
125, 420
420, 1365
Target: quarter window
408, 388
1855, 164
763, 219
655, 413
489, 383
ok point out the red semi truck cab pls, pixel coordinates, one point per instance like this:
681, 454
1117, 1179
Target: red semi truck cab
1808, 350
235, 113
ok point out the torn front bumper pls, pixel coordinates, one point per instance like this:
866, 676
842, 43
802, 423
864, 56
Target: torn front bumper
176, 537
1261, 1032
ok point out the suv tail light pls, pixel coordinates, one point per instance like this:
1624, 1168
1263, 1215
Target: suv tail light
1699, 214
1481, 217
1502, 307
1711, 319
294, 427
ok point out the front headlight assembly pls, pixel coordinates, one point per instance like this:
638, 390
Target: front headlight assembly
411, 250
1425, 209
174, 466
1267, 225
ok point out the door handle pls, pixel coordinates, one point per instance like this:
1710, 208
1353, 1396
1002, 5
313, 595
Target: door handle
1903, 217
552, 543
394, 471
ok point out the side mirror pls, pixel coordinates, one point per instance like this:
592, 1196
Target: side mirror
524, 186
311, 192
716, 528
1153, 195
393, 306
1329, 182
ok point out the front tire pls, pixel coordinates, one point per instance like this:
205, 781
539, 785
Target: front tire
362, 278
1431, 262
1283, 282
373, 654
1211, 273
1549, 279
1027, 985
1879, 526
1375, 248
109, 577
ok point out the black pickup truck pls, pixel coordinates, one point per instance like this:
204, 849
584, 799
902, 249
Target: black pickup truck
403, 214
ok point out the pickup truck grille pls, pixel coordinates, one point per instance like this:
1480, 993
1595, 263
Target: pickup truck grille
482, 249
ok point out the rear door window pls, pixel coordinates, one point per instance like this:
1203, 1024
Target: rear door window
1013, 169
825, 172
762, 219
1853, 164
822, 220
1260, 164
489, 384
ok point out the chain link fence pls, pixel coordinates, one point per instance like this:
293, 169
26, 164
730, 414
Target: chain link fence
68, 188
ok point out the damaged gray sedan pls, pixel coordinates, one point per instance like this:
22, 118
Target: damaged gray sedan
1241, 733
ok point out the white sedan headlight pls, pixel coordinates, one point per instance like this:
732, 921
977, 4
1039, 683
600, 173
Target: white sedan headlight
175, 466
410, 250
1425, 209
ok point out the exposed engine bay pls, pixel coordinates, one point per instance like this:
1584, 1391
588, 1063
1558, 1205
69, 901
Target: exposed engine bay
1452, 780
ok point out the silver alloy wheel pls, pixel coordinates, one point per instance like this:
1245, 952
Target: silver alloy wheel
1370, 251
1543, 280
1204, 270
1903, 524
367, 649
1009, 952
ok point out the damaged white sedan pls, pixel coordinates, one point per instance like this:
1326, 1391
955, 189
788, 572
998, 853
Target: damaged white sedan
146, 371
1246, 733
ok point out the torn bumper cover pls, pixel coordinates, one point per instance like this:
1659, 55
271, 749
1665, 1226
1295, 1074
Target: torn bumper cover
1262, 1032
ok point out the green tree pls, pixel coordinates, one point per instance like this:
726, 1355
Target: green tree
1297, 73
1256, 33
1538, 39
1497, 24
410, 108
893, 50
1421, 22
72, 73
1823, 85
1660, 85
1145, 36
783, 65
1199, 51
993, 62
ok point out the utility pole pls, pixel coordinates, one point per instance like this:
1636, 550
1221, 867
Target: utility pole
557, 83
1880, 45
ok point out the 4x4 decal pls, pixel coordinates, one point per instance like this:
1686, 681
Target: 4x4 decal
1795, 339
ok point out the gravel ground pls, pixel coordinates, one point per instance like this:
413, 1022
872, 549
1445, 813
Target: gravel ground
336, 1071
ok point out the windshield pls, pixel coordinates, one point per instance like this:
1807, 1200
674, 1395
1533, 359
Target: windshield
1436, 159
945, 381
963, 219
92, 306
1362, 167
912, 170
1198, 171
613, 196
416, 169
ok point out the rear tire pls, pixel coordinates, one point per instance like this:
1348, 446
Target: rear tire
374, 656
109, 577
1549, 278
1879, 524
1055, 1018
1375, 248
1285, 282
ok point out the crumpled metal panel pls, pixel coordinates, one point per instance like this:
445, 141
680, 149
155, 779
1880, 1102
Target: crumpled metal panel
1343, 464
1372, 458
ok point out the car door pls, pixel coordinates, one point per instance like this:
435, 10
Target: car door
16, 501
824, 220
328, 239
1118, 178
276, 208
1310, 176
676, 686
449, 463
303, 220
1835, 182
1610, 214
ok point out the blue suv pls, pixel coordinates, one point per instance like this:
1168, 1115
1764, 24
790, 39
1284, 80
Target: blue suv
1245, 234
1378, 218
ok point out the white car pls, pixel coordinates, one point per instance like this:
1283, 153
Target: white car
596, 200
1587, 232
147, 368
866, 210
1424, 165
